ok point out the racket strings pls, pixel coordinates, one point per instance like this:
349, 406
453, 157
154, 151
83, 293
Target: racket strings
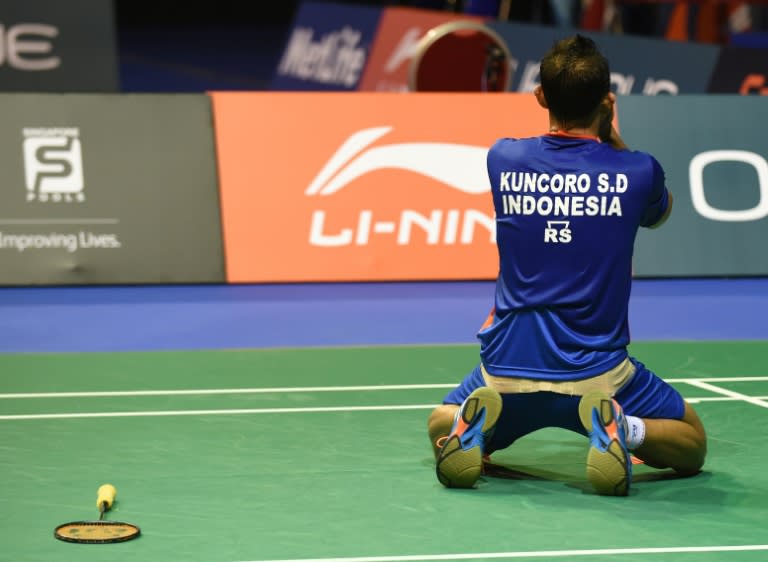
96, 531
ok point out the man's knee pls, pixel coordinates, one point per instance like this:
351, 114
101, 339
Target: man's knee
698, 448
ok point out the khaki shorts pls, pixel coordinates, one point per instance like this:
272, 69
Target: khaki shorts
610, 381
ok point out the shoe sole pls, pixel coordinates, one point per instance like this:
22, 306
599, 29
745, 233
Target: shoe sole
459, 468
606, 470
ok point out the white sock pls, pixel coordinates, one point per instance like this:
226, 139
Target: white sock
635, 432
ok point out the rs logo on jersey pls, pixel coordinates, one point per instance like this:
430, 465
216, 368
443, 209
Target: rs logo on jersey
557, 232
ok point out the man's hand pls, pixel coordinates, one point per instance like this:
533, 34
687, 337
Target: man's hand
614, 139
606, 124
606, 130
666, 214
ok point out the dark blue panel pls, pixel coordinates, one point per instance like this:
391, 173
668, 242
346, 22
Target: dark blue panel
327, 47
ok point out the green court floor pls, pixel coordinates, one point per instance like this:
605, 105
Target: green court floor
306, 454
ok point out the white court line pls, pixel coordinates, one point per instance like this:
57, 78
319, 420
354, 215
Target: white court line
730, 393
720, 399
168, 413
211, 391
213, 412
720, 379
207, 391
725, 396
533, 554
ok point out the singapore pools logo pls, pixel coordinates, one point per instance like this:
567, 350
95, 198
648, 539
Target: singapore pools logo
53, 164
459, 166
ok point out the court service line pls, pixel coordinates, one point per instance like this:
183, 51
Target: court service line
234, 411
209, 391
534, 554
359, 388
730, 393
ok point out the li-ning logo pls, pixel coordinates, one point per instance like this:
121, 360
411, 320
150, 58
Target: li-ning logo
53, 164
754, 84
459, 166
405, 49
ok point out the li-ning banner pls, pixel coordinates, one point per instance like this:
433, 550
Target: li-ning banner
57, 46
361, 186
741, 71
397, 40
638, 65
108, 189
716, 163
327, 48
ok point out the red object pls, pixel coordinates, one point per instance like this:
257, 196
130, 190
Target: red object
592, 19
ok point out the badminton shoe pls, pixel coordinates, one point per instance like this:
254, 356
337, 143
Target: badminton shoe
609, 464
460, 461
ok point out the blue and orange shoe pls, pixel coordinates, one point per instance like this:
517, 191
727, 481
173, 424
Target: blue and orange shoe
609, 463
460, 461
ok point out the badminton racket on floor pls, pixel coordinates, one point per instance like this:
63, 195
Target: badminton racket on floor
101, 531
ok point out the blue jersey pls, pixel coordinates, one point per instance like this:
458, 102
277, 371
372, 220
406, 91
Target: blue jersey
567, 212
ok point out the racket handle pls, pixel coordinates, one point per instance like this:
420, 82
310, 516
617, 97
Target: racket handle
105, 497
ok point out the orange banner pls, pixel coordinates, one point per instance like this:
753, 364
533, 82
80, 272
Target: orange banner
361, 186
399, 33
